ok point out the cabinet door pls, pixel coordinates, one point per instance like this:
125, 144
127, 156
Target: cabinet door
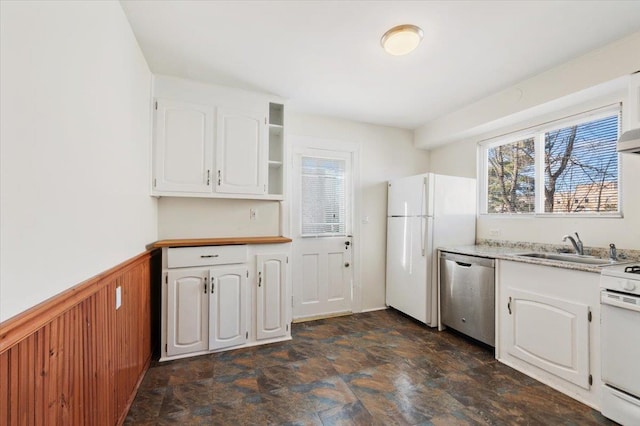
241, 153
187, 311
227, 307
632, 108
271, 296
550, 333
183, 147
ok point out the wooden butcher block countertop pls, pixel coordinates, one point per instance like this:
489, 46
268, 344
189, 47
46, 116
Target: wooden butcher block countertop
195, 242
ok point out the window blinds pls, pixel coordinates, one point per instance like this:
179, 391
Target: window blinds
323, 196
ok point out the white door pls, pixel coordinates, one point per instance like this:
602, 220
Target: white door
241, 153
271, 296
322, 225
187, 313
183, 147
227, 306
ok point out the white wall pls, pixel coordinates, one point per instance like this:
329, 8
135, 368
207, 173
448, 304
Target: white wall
75, 141
461, 158
386, 153
511, 105
211, 218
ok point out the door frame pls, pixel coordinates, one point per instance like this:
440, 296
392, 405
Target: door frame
300, 143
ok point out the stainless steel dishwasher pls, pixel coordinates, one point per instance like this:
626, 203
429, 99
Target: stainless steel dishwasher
467, 295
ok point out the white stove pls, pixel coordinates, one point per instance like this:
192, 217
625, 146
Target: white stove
620, 343
622, 278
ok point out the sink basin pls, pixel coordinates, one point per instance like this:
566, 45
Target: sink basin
573, 258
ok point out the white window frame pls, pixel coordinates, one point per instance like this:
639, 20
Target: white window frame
538, 134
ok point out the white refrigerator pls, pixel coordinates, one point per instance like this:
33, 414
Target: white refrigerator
424, 212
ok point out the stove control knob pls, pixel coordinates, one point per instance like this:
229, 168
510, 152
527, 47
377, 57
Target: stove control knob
628, 285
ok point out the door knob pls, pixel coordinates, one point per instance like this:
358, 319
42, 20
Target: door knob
346, 265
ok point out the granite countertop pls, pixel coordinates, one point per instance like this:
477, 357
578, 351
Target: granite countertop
511, 253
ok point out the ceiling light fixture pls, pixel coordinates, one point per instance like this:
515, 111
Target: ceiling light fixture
402, 39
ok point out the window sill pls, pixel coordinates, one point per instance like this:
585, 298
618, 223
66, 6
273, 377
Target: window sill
616, 215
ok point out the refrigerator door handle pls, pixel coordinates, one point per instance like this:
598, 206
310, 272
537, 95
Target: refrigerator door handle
422, 217
422, 235
424, 189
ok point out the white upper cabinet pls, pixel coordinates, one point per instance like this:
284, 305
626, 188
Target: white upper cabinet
183, 149
215, 141
241, 152
631, 119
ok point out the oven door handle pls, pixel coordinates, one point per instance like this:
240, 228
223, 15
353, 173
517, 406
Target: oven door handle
618, 301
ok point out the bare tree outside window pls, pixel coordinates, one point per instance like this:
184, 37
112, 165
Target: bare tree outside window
581, 167
512, 178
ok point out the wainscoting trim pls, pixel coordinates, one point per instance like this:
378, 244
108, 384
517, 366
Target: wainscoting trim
74, 358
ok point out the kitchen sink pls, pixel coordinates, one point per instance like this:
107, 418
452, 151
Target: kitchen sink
566, 257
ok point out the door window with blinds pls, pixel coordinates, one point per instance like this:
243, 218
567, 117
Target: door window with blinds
324, 196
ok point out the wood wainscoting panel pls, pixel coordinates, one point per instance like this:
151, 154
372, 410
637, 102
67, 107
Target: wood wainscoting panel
82, 364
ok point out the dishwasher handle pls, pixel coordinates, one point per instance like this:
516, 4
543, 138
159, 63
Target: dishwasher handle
468, 261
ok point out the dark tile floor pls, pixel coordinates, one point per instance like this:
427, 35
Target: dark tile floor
377, 368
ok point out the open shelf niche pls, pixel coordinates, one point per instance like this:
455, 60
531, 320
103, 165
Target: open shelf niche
276, 148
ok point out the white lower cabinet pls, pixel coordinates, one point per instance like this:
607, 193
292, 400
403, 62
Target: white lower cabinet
271, 302
550, 333
187, 311
209, 305
227, 306
548, 326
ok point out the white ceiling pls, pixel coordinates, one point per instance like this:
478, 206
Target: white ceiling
325, 56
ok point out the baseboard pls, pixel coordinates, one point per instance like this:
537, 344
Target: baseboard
322, 316
375, 309
132, 397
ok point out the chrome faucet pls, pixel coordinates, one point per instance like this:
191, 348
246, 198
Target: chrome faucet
577, 243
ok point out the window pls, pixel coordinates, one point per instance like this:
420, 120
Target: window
511, 180
324, 195
567, 167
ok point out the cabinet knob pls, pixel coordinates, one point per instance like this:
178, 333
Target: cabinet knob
346, 265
